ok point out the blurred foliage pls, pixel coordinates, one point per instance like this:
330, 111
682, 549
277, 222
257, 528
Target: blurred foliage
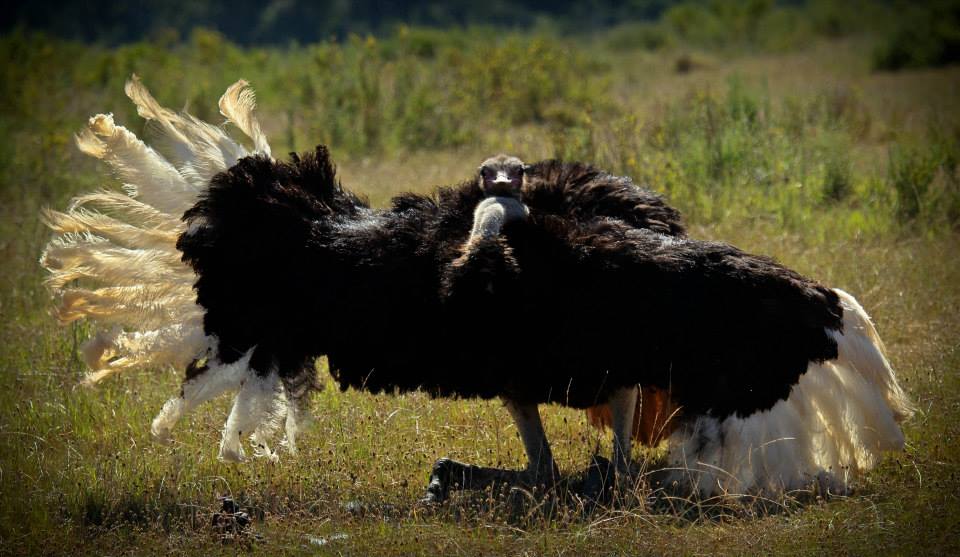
416, 89
912, 34
722, 154
907, 34
740, 155
926, 181
928, 35
770, 25
638, 35
732, 152
285, 21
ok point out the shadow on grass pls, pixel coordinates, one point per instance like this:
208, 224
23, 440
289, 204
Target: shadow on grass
590, 496
597, 494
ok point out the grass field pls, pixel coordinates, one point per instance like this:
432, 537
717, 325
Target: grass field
843, 173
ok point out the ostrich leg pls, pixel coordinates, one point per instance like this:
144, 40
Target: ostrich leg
540, 464
296, 389
622, 406
540, 468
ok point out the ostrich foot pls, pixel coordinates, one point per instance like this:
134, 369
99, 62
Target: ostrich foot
624, 476
449, 474
606, 483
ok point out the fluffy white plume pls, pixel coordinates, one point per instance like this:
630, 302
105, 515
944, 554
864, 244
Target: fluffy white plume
83, 221
146, 175
113, 261
175, 345
837, 422
238, 104
197, 149
79, 256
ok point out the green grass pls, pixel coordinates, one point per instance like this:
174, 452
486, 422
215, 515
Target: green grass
847, 175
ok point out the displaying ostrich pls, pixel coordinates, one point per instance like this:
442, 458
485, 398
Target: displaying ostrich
548, 283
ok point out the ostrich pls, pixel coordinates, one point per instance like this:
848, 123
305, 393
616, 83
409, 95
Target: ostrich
586, 278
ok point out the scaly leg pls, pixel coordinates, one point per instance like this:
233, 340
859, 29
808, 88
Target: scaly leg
540, 464
622, 406
540, 468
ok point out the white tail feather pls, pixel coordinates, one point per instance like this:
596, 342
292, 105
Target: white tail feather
94, 261
113, 261
146, 175
238, 104
836, 423
197, 149
80, 220
174, 345
143, 307
127, 209
864, 349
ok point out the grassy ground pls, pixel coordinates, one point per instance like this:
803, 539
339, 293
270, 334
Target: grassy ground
847, 175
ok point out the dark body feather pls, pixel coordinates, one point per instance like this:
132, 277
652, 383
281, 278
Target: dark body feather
594, 292
599, 305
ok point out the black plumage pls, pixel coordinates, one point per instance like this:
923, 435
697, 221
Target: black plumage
592, 293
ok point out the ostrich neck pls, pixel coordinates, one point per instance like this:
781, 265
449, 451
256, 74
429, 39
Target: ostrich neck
494, 212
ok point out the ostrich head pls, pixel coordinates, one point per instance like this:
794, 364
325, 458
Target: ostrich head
501, 175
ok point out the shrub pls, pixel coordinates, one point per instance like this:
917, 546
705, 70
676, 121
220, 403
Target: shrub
927, 35
638, 36
837, 172
926, 182
718, 22
912, 171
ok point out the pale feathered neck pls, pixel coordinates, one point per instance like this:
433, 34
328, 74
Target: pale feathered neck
494, 212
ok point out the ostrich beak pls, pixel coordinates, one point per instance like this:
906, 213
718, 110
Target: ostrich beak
502, 178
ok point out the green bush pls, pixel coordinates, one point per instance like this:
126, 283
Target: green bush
927, 35
638, 36
926, 181
837, 171
911, 173
718, 22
